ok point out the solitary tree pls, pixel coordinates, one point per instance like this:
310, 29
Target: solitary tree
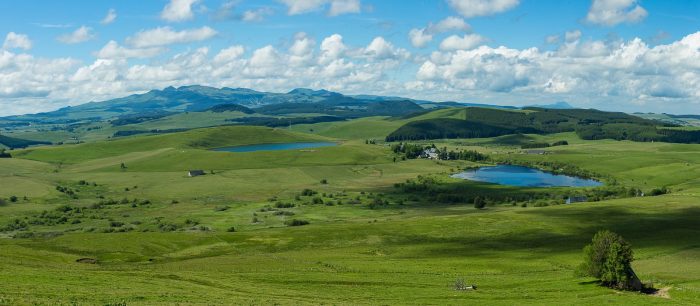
479, 203
609, 258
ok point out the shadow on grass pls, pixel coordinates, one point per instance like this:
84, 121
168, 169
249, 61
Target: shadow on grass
567, 230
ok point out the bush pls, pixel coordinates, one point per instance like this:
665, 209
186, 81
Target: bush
231, 229
324, 181
658, 191
479, 203
296, 222
308, 192
609, 258
13, 199
284, 205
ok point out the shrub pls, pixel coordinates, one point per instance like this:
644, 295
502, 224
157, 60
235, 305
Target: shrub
283, 213
116, 224
324, 181
479, 203
296, 222
609, 258
231, 229
13, 199
658, 191
284, 205
308, 192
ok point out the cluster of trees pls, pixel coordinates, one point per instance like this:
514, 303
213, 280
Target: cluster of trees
412, 151
277, 122
537, 145
154, 131
4, 154
18, 143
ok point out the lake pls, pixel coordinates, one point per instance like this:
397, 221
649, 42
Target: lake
276, 146
524, 177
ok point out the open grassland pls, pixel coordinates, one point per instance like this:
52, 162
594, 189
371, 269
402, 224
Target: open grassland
161, 238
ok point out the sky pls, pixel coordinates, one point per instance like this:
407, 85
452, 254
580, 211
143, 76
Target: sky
622, 55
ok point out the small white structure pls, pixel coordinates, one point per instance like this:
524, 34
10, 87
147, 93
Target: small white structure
430, 154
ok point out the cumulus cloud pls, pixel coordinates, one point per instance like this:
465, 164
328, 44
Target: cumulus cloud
475, 8
380, 49
612, 12
465, 42
17, 41
112, 50
337, 7
163, 36
421, 37
589, 73
178, 10
110, 17
256, 15
81, 34
591, 70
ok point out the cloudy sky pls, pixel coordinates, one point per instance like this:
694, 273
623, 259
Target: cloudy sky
628, 55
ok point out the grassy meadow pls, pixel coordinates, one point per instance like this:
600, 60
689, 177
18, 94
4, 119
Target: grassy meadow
160, 237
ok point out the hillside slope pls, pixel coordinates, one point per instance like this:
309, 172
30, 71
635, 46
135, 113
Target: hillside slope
588, 124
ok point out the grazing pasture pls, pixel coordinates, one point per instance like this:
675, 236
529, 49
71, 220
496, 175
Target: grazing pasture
93, 232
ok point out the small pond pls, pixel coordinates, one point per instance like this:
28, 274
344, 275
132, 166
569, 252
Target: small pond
524, 177
276, 146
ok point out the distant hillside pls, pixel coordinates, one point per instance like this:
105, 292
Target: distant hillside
556, 105
231, 108
17, 143
173, 100
588, 124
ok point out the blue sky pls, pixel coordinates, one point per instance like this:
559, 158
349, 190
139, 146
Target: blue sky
629, 55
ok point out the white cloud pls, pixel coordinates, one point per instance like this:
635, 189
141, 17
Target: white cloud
475, 8
229, 54
380, 49
163, 36
572, 35
256, 14
112, 50
337, 7
332, 48
17, 41
588, 73
110, 17
466, 42
421, 37
81, 34
612, 12
178, 10
552, 39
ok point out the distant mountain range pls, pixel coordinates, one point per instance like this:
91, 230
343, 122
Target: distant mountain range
197, 98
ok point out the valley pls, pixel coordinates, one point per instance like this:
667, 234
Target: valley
345, 223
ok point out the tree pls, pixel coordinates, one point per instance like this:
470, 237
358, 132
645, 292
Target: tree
609, 258
479, 203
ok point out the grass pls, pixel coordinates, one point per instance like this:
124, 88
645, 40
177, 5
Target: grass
408, 252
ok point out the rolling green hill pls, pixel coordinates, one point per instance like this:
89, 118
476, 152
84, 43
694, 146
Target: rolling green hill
205, 138
16, 143
588, 124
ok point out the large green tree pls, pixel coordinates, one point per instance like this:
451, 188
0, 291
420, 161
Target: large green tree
609, 258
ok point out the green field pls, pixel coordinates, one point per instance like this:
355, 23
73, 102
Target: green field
160, 237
